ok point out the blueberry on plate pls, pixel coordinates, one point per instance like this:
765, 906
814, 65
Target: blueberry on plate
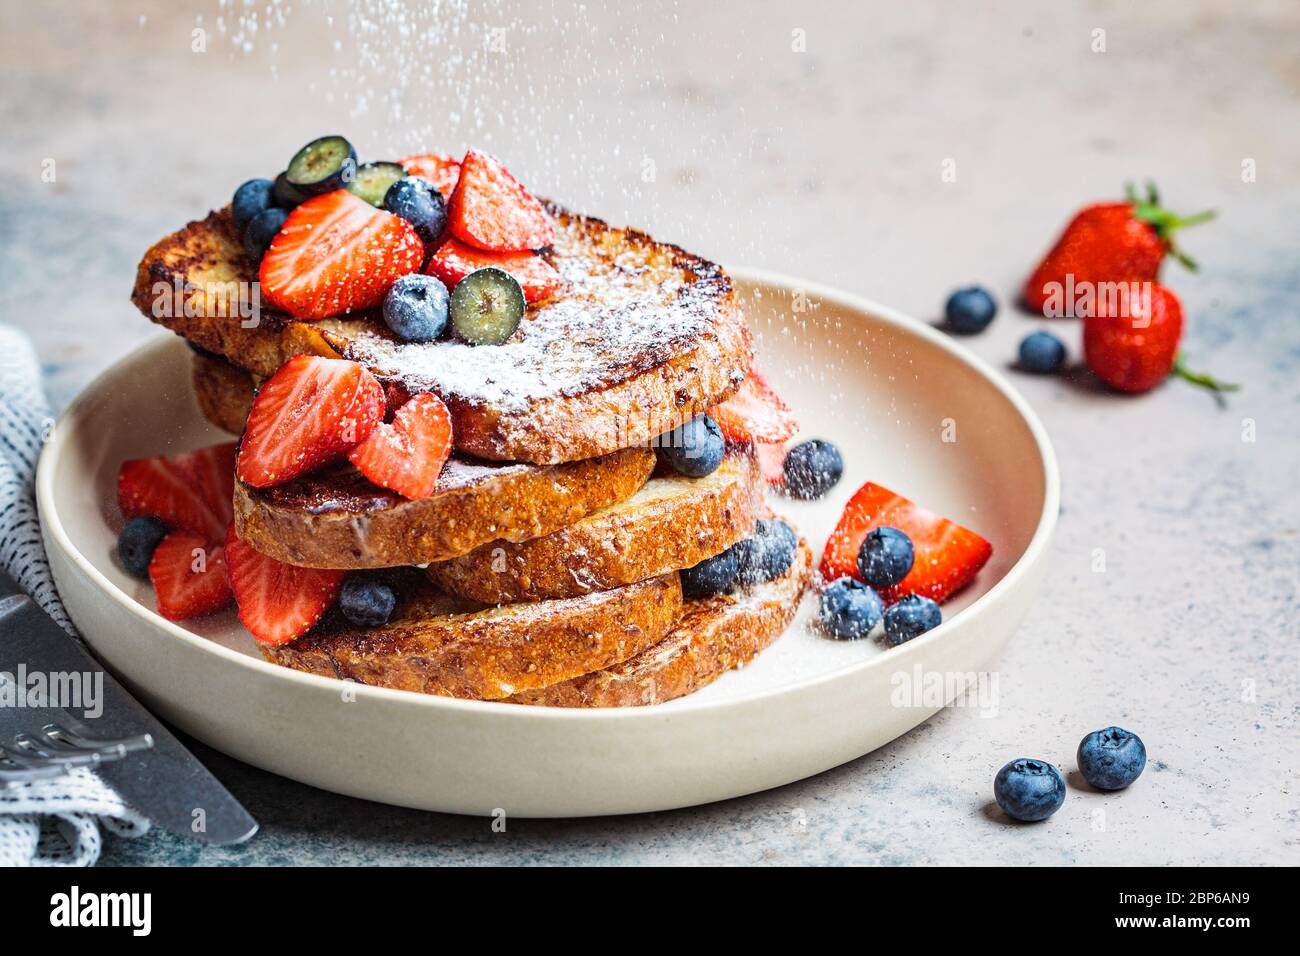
322, 166
812, 468
365, 602
911, 617
885, 557
1111, 759
487, 306
250, 198
711, 576
694, 448
848, 609
970, 310
263, 228
287, 195
1029, 790
1041, 353
137, 543
767, 553
415, 200
373, 180
416, 307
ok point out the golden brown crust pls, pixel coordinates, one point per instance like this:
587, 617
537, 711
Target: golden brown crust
690, 347
224, 392
672, 522
435, 644
334, 518
713, 636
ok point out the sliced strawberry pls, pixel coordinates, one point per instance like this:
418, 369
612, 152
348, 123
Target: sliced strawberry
491, 210
190, 492
407, 455
336, 253
454, 261
277, 602
771, 463
755, 413
948, 556
310, 411
442, 171
189, 576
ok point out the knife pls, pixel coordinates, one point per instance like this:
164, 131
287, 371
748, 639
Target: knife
165, 782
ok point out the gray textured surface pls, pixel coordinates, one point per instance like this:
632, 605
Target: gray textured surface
825, 164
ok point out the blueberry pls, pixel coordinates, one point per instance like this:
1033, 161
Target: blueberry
487, 306
711, 576
970, 310
1111, 759
812, 468
911, 617
252, 197
767, 553
416, 307
416, 201
1042, 353
848, 609
885, 556
287, 195
263, 228
693, 449
137, 543
366, 603
1028, 789
322, 166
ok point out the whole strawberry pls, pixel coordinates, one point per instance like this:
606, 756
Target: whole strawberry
1106, 242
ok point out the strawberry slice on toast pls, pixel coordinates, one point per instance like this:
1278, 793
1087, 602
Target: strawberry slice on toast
491, 210
947, 556
755, 413
337, 253
407, 454
441, 170
189, 576
190, 492
277, 602
311, 411
454, 261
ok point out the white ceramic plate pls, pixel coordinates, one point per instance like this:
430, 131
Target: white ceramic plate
890, 391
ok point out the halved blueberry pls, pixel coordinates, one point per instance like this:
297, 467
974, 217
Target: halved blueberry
415, 307
487, 306
250, 198
287, 195
322, 166
373, 179
138, 541
415, 200
694, 448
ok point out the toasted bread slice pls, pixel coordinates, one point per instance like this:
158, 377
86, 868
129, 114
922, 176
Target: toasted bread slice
436, 644
673, 522
712, 636
642, 336
224, 391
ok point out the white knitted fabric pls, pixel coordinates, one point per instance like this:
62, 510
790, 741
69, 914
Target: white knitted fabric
49, 822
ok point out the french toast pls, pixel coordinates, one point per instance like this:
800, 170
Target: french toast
438, 644
713, 635
672, 522
641, 336
335, 518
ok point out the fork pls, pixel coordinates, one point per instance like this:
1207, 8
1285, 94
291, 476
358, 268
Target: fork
55, 750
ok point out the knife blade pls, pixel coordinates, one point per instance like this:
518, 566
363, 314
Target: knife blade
166, 782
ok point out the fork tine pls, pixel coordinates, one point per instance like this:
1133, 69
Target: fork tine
115, 747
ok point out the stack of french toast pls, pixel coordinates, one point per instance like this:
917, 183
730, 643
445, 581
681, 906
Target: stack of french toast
489, 448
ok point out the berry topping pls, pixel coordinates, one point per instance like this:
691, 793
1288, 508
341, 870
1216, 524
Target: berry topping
454, 261
365, 602
336, 253
416, 201
252, 197
811, 469
491, 210
487, 306
322, 166
373, 181
138, 541
442, 171
911, 617
693, 449
711, 576
262, 230
416, 308
947, 556
1041, 353
288, 196
848, 609
189, 576
191, 492
885, 556
1111, 759
407, 455
767, 553
755, 413
771, 463
277, 602
309, 412
969, 311
1029, 790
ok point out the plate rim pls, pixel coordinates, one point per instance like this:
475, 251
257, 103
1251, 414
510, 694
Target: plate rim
52, 525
